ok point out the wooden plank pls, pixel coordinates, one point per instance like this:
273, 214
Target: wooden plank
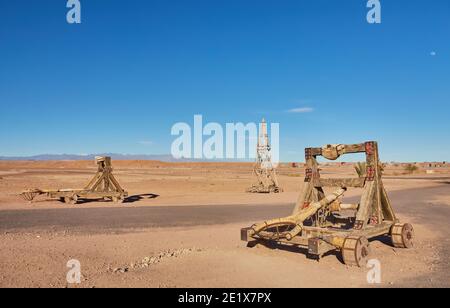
387, 209
93, 181
355, 148
374, 231
97, 184
298, 240
365, 207
355, 182
316, 151
115, 183
305, 197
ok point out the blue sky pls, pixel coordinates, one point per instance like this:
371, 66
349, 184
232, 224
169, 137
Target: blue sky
120, 80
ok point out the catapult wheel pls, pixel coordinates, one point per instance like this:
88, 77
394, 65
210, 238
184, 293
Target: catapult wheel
402, 235
120, 199
30, 195
356, 251
71, 199
277, 190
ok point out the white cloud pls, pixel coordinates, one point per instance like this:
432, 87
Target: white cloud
301, 110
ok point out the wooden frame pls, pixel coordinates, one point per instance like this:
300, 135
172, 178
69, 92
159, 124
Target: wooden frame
103, 186
318, 228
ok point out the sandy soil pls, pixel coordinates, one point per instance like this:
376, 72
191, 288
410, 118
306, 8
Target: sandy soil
159, 183
182, 230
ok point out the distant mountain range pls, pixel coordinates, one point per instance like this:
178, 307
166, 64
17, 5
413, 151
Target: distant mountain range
74, 157
47, 157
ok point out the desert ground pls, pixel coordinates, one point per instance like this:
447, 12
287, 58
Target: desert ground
181, 228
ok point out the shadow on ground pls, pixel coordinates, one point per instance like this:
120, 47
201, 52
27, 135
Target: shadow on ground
130, 199
136, 198
295, 249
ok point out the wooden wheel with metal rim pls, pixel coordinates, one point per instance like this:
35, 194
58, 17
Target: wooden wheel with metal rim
356, 251
120, 199
29, 195
74, 199
402, 235
71, 199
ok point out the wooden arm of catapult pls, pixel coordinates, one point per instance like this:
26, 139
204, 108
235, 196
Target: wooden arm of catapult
298, 219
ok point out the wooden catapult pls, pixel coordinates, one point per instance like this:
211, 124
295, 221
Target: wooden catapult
103, 186
322, 223
264, 169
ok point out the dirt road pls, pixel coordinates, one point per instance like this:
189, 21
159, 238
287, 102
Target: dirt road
104, 220
414, 203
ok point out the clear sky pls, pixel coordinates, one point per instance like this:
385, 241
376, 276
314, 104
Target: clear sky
120, 80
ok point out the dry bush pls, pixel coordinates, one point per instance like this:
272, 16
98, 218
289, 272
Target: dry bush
411, 168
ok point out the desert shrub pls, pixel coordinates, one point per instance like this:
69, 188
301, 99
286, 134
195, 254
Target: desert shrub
411, 168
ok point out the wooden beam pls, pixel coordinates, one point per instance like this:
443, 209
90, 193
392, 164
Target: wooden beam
356, 182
